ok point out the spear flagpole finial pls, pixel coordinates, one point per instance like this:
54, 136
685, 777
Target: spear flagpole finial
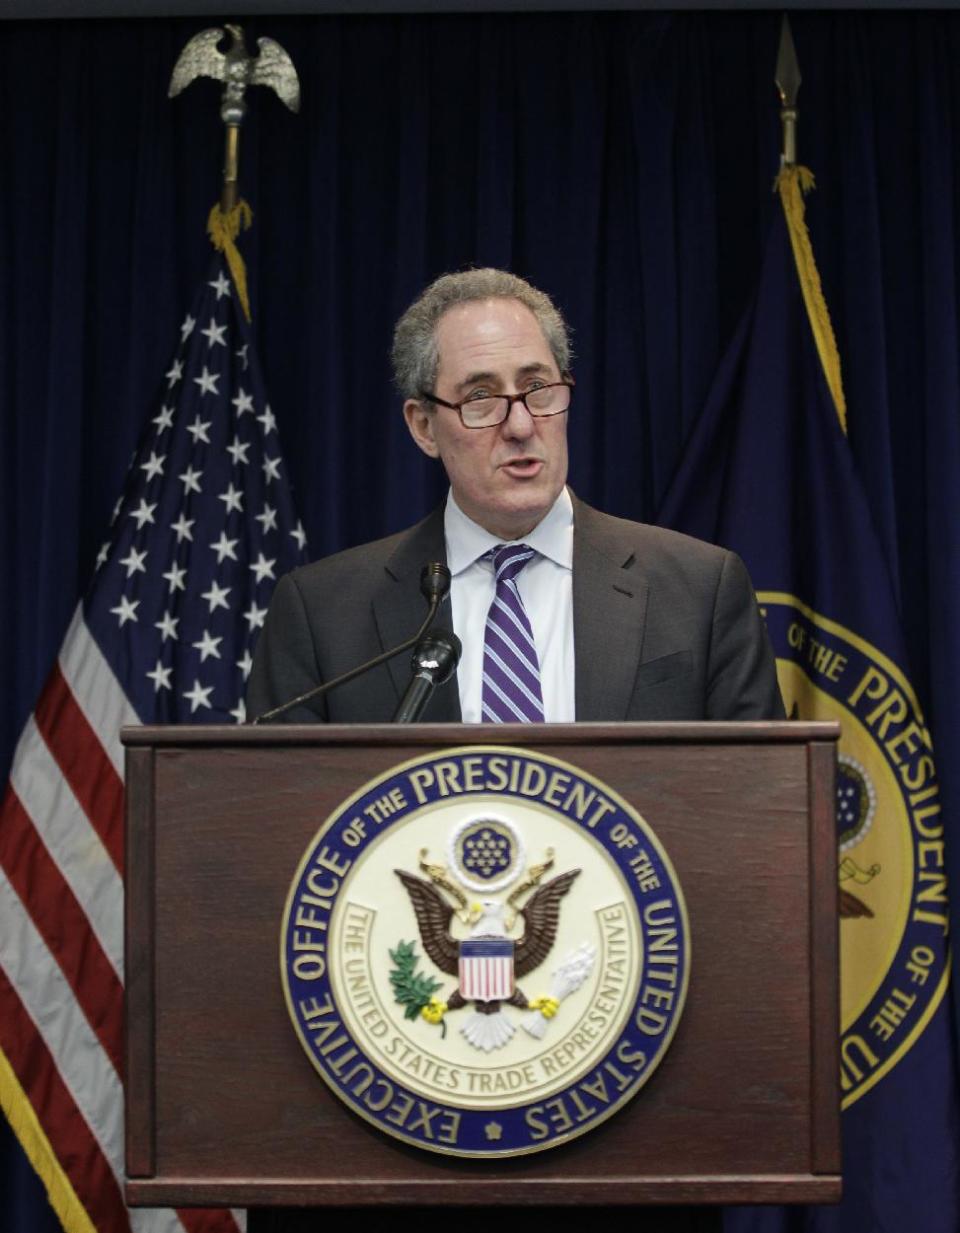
788, 80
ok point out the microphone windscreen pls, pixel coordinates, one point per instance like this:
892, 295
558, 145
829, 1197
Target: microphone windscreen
434, 581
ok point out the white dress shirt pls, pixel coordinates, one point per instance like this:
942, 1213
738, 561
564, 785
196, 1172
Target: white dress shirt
546, 588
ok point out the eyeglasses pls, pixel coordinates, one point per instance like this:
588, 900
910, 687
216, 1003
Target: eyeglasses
493, 409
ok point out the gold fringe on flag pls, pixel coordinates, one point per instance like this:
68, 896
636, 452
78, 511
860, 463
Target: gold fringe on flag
26, 1126
223, 230
791, 183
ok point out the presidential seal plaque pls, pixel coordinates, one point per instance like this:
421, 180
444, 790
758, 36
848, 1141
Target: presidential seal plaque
485, 952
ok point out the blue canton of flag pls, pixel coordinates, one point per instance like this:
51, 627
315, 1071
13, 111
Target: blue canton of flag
203, 530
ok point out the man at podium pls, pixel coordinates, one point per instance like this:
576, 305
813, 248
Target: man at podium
563, 613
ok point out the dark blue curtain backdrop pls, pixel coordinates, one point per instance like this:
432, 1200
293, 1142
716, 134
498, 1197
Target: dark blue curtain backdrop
621, 161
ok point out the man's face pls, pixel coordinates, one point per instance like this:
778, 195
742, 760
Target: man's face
505, 478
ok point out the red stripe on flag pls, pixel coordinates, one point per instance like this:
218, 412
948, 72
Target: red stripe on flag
63, 924
201, 1220
70, 1137
77, 750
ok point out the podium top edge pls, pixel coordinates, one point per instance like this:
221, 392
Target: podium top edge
787, 732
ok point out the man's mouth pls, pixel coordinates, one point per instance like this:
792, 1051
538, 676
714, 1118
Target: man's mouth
523, 468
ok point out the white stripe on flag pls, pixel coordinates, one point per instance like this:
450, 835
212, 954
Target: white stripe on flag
155, 1220
71, 840
77, 1054
48, 999
95, 688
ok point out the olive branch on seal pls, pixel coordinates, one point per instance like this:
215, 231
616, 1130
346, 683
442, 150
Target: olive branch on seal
412, 989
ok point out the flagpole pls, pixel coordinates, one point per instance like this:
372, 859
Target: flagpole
793, 180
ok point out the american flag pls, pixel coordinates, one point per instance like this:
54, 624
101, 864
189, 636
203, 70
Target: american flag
204, 527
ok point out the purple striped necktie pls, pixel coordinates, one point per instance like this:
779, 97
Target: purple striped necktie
511, 670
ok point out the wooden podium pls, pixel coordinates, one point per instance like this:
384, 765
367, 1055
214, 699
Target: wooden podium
224, 1107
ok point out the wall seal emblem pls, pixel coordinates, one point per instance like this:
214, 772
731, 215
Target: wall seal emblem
485, 952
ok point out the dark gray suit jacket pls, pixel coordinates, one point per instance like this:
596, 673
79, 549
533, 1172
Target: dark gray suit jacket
665, 627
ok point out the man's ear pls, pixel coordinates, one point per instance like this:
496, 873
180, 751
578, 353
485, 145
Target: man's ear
420, 422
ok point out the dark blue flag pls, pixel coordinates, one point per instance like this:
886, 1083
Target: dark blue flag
769, 473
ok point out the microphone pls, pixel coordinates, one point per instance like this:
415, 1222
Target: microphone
434, 587
434, 584
434, 662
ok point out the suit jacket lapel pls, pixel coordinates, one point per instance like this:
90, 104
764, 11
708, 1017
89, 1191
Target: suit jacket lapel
609, 612
399, 608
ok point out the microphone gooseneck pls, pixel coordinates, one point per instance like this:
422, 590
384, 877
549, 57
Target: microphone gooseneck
434, 586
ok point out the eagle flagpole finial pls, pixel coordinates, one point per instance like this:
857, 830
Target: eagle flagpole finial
237, 69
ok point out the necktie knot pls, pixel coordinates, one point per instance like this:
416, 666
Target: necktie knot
509, 560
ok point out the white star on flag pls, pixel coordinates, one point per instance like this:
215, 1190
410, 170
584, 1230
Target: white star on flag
182, 527
207, 646
254, 616
187, 328
225, 548
299, 535
190, 480
174, 373
242, 401
268, 420
134, 561
241, 354
164, 419
207, 381
214, 333
268, 518
232, 498
221, 285
271, 469
237, 450
127, 611
168, 626
175, 576
216, 597
103, 553
154, 465
198, 696
143, 513
245, 663
198, 430
262, 568
160, 677
239, 712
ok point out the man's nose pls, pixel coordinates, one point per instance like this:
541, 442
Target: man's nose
519, 421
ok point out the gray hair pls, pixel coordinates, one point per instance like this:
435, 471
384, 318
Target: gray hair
415, 354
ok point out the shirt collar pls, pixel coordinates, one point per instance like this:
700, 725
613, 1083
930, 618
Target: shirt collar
467, 541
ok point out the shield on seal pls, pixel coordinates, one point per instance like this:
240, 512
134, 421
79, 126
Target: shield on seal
486, 969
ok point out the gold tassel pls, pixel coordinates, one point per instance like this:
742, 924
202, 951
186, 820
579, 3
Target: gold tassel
791, 183
223, 230
26, 1126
